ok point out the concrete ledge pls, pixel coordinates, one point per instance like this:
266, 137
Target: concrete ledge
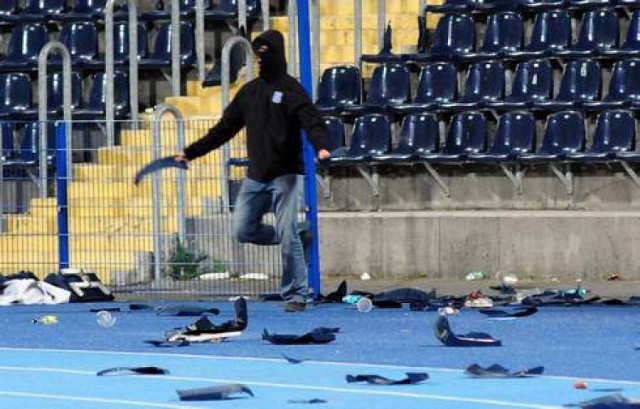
538, 245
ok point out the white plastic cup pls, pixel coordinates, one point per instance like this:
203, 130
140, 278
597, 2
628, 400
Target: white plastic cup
364, 304
105, 319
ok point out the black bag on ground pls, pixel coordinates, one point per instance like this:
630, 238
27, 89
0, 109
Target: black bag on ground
85, 286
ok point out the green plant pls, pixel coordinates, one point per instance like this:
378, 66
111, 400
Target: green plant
184, 264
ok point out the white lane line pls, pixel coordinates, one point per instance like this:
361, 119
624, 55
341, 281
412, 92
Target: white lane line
281, 360
357, 391
94, 400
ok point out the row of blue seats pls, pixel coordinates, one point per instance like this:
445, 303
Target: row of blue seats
82, 40
17, 102
484, 6
26, 153
339, 91
87, 10
515, 139
504, 37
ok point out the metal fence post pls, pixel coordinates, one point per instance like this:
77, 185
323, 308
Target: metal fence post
292, 13
381, 23
109, 68
357, 31
306, 77
242, 15
62, 181
42, 107
156, 193
175, 48
200, 48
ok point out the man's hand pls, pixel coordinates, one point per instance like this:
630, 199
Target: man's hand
323, 154
181, 157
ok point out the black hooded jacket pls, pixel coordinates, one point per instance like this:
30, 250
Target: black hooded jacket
274, 108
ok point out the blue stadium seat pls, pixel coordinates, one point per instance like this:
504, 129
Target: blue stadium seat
121, 46
551, 33
455, 36
453, 6
564, 134
437, 83
228, 9
160, 56
335, 128
581, 83
55, 95
615, 133
599, 33
15, 95
95, 107
631, 46
39, 11
8, 148
81, 39
84, 10
536, 5
28, 152
8, 8
624, 87
467, 135
236, 62
419, 135
589, 4
24, 46
339, 87
503, 35
161, 12
371, 136
484, 85
533, 82
390, 86
515, 135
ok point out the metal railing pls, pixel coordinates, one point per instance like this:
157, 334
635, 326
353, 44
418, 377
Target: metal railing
42, 106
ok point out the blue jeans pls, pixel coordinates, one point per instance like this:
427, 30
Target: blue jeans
254, 200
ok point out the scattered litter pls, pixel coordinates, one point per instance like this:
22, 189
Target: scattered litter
105, 319
255, 276
443, 332
476, 276
580, 385
411, 379
214, 276
364, 304
292, 360
614, 277
499, 371
45, 320
365, 276
308, 401
319, 335
139, 370
615, 401
163, 343
213, 393
509, 311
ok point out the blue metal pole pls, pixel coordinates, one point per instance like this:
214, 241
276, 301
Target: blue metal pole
310, 194
61, 186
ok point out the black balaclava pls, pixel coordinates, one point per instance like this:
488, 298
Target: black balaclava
273, 64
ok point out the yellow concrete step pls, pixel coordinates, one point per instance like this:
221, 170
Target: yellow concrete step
91, 172
118, 225
99, 190
90, 207
43, 207
194, 88
28, 225
10, 243
99, 243
144, 138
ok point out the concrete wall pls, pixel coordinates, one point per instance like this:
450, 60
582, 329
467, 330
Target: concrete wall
536, 244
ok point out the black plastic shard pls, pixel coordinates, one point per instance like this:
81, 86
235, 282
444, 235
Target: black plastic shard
443, 332
166, 344
316, 336
138, 370
308, 401
509, 312
412, 378
158, 164
499, 371
615, 401
292, 360
338, 294
186, 311
220, 392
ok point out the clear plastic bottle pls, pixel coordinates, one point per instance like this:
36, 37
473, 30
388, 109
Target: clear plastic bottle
364, 304
45, 320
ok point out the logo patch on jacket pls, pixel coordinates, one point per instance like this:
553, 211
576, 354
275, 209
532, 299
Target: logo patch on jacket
277, 97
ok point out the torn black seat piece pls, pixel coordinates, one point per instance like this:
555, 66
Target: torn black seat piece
412, 378
515, 312
499, 371
444, 333
137, 370
319, 335
204, 330
220, 392
614, 401
163, 343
